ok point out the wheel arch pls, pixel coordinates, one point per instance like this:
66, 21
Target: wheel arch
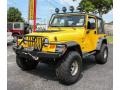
74, 46
104, 41
100, 42
15, 33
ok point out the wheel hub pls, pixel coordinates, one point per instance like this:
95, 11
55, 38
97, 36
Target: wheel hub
105, 54
74, 68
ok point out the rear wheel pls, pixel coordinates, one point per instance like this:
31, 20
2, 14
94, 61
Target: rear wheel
102, 55
26, 64
69, 71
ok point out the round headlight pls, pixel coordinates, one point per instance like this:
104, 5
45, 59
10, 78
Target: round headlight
71, 8
46, 42
64, 9
57, 10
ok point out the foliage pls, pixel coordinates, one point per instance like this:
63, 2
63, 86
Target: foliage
87, 6
14, 15
110, 39
101, 6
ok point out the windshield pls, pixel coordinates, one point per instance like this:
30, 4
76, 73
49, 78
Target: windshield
67, 21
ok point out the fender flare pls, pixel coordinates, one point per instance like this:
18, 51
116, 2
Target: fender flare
100, 42
72, 45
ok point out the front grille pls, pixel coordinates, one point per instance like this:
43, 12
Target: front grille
35, 41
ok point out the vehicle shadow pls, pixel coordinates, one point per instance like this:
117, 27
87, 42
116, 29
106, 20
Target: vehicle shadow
44, 71
11, 44
88, 63
48, 72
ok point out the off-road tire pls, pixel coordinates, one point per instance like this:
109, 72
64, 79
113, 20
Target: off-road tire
63, 72
100, 58
26, 64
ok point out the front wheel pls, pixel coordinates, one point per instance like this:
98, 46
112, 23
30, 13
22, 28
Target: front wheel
102, 55
26, 64
69, 70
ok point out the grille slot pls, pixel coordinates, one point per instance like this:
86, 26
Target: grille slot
35, 41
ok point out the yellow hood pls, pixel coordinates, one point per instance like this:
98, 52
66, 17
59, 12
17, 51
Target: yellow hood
62, 34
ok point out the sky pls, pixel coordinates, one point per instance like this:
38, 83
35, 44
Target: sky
45, 8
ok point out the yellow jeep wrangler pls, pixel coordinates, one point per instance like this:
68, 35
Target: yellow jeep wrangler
70, 37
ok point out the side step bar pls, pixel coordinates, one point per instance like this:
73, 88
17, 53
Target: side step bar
88, 54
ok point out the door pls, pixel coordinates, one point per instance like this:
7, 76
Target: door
91, 34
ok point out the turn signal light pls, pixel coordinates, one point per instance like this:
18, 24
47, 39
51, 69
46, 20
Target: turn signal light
52, 46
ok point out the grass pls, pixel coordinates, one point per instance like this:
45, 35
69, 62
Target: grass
110, 39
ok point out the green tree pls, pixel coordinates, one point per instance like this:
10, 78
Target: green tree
100, 6
87, 6
14, 15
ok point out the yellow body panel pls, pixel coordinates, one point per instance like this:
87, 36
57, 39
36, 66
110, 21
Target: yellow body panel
88, 42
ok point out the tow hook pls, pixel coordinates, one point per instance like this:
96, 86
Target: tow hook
35, 58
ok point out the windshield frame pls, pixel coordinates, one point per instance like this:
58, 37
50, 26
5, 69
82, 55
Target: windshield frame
60, 15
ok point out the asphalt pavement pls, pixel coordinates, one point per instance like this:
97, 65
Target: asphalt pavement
94, 76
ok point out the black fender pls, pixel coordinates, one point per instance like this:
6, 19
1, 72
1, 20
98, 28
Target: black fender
15, 34
100, 42
72, 45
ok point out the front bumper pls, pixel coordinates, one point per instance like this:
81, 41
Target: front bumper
36, 54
